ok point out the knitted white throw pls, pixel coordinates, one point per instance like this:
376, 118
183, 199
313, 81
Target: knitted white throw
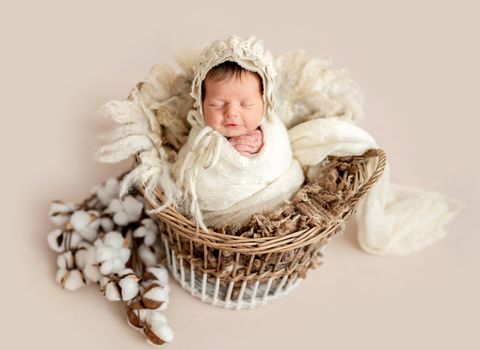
318, 106
392, 219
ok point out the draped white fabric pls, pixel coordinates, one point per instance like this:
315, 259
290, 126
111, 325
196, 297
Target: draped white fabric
392, 219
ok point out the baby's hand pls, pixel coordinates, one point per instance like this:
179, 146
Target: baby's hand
248, 144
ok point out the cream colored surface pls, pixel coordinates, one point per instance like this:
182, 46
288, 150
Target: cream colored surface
418, 65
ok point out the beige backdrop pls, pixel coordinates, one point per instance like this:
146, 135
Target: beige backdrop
417, 63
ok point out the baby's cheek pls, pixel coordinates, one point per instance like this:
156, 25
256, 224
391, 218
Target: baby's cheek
207, 117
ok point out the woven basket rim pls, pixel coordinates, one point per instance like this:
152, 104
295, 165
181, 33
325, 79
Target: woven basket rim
187, 228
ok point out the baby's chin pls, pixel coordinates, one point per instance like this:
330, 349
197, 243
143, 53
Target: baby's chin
233, 131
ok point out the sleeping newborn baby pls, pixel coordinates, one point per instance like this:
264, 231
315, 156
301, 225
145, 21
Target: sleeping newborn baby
232, 100
237, 160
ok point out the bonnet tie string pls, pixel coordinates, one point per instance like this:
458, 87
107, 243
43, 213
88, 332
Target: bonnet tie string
204, 153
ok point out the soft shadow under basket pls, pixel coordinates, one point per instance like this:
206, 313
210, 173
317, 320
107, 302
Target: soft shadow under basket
254, 265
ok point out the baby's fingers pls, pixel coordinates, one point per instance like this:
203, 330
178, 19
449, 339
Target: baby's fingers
242, 147
246, 154
240, 139
255, 132
246, 139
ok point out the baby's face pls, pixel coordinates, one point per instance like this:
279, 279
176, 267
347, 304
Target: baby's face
233, 106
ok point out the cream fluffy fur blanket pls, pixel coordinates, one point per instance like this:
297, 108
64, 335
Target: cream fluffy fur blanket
319, 107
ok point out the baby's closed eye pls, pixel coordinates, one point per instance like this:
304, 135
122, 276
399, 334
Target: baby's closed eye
215, 105
248, 104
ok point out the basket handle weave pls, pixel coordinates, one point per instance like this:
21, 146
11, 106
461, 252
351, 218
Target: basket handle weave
377, 173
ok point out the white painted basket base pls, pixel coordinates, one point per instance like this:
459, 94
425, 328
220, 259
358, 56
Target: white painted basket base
249, 297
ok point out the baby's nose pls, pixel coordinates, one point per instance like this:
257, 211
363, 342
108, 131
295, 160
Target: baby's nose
231, 111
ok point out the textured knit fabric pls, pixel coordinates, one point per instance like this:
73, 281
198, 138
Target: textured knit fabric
392, 219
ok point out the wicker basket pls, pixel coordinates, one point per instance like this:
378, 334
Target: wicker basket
240, 272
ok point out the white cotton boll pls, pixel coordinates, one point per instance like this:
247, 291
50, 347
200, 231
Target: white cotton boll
91, 270
106, 224
136, 317
154, 296
80, 219
75, 240
59, 275
160, 273
143, 314
65, 261
111, 266
125, 272
92, 273
114, 239
94, 214
140, 232
150, 225
112, 252
94, 223
146, 231
155, 316
146, 255
104, 280
74, 280
157, 293
125, 211
150, 238
86, 223
118, 264
109, 191
80, 258
61, 207
151, 231
115, 206
91, 255
158, 333
55, 240
132, 207
164, 306
111, 292
59, 212
121, 218
85, 245
105, 253
89, 234
106, 267
59, 219
166, 287
129, 285
70, 279
81, 255
124, 254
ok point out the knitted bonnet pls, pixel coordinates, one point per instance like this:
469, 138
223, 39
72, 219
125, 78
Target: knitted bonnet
249, 53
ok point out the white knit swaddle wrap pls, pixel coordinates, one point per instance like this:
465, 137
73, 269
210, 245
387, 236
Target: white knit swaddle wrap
221, 186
